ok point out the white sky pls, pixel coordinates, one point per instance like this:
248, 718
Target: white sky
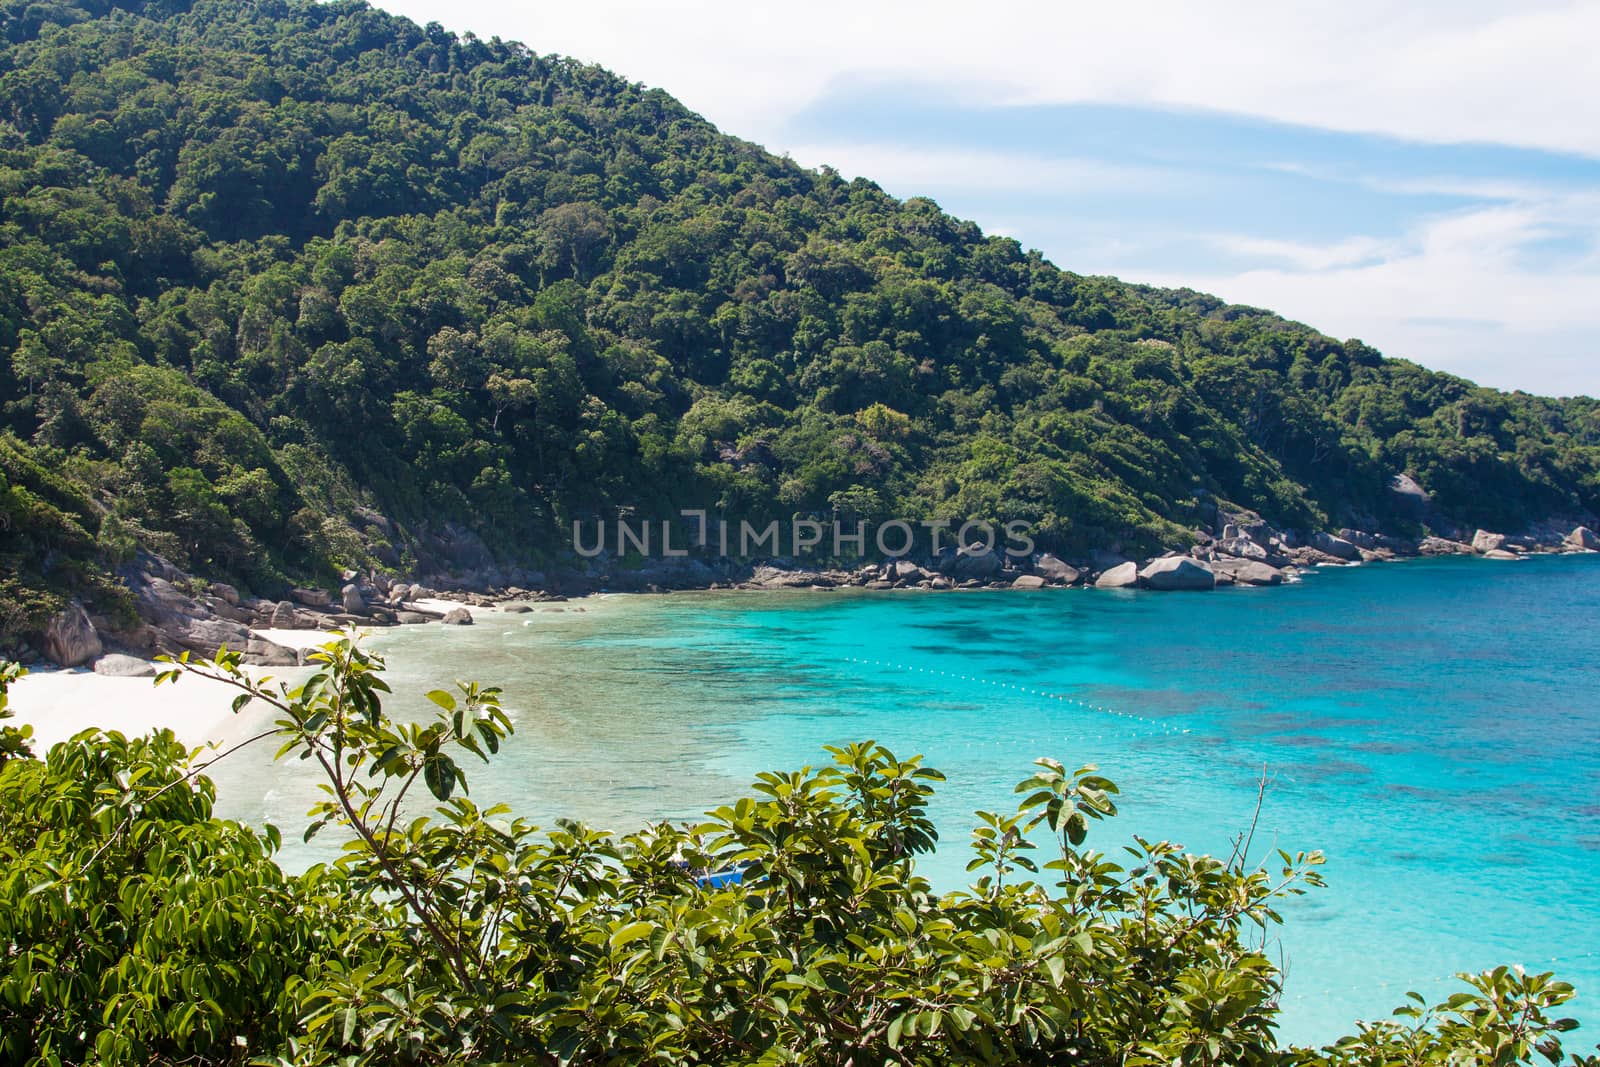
1521, 74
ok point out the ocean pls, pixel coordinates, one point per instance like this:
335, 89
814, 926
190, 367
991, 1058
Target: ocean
1432, 726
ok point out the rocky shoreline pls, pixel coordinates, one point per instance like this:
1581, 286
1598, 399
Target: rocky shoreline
178, 613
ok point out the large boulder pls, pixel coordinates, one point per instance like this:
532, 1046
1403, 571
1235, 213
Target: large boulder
1408, 492
1241, 548
1442, 546
976, 561
1178, 572
1248, 572
224, 610
354, 603
1484, 542
164, 604
458, 617
207, 636
768, 577
1122, 576
1330, 545
116, 665
1583, 537
311, 598
1055, 569
260, 651
903, 570
1360, 538
1028, 581
226, 592
69, 638
284, 616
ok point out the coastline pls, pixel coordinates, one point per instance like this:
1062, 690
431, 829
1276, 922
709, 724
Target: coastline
177, 612
60, 702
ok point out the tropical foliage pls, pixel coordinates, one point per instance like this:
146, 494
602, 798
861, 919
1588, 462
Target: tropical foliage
789, 927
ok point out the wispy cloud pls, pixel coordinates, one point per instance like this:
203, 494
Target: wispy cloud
1469, 70
912, 167
1460, 293
1299, 255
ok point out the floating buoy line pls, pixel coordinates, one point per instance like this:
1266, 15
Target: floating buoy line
1154, 724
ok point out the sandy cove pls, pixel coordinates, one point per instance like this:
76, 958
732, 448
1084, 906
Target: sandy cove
61, 703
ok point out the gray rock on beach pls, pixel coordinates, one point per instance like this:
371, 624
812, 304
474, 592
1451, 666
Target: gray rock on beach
1178, 572
1028, 581
116, 665
70, 638
1241, 548
206, 636
769, 577
264, 653
353, 601
458, 617
1335, 546
975, 561
1442, 546
1122, 576
1583, 537
1055, 569
1248, 572
903, 570
1485, 542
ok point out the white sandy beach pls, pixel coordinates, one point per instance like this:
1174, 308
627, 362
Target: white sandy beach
60, 703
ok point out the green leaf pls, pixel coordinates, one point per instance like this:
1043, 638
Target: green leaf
626, 935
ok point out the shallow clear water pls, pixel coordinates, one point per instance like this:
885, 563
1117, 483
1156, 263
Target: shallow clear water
1434, 727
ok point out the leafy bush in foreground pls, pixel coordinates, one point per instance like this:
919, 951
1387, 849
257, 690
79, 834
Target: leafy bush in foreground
137, 928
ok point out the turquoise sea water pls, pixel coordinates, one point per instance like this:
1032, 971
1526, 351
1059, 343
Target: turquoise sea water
1434, 727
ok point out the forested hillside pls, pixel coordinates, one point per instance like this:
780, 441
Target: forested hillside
286, 285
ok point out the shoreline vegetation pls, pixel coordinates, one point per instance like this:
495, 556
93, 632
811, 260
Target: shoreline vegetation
112, 691
175, 612
788, 927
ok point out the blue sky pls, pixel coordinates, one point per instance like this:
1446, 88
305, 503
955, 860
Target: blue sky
1426, 179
